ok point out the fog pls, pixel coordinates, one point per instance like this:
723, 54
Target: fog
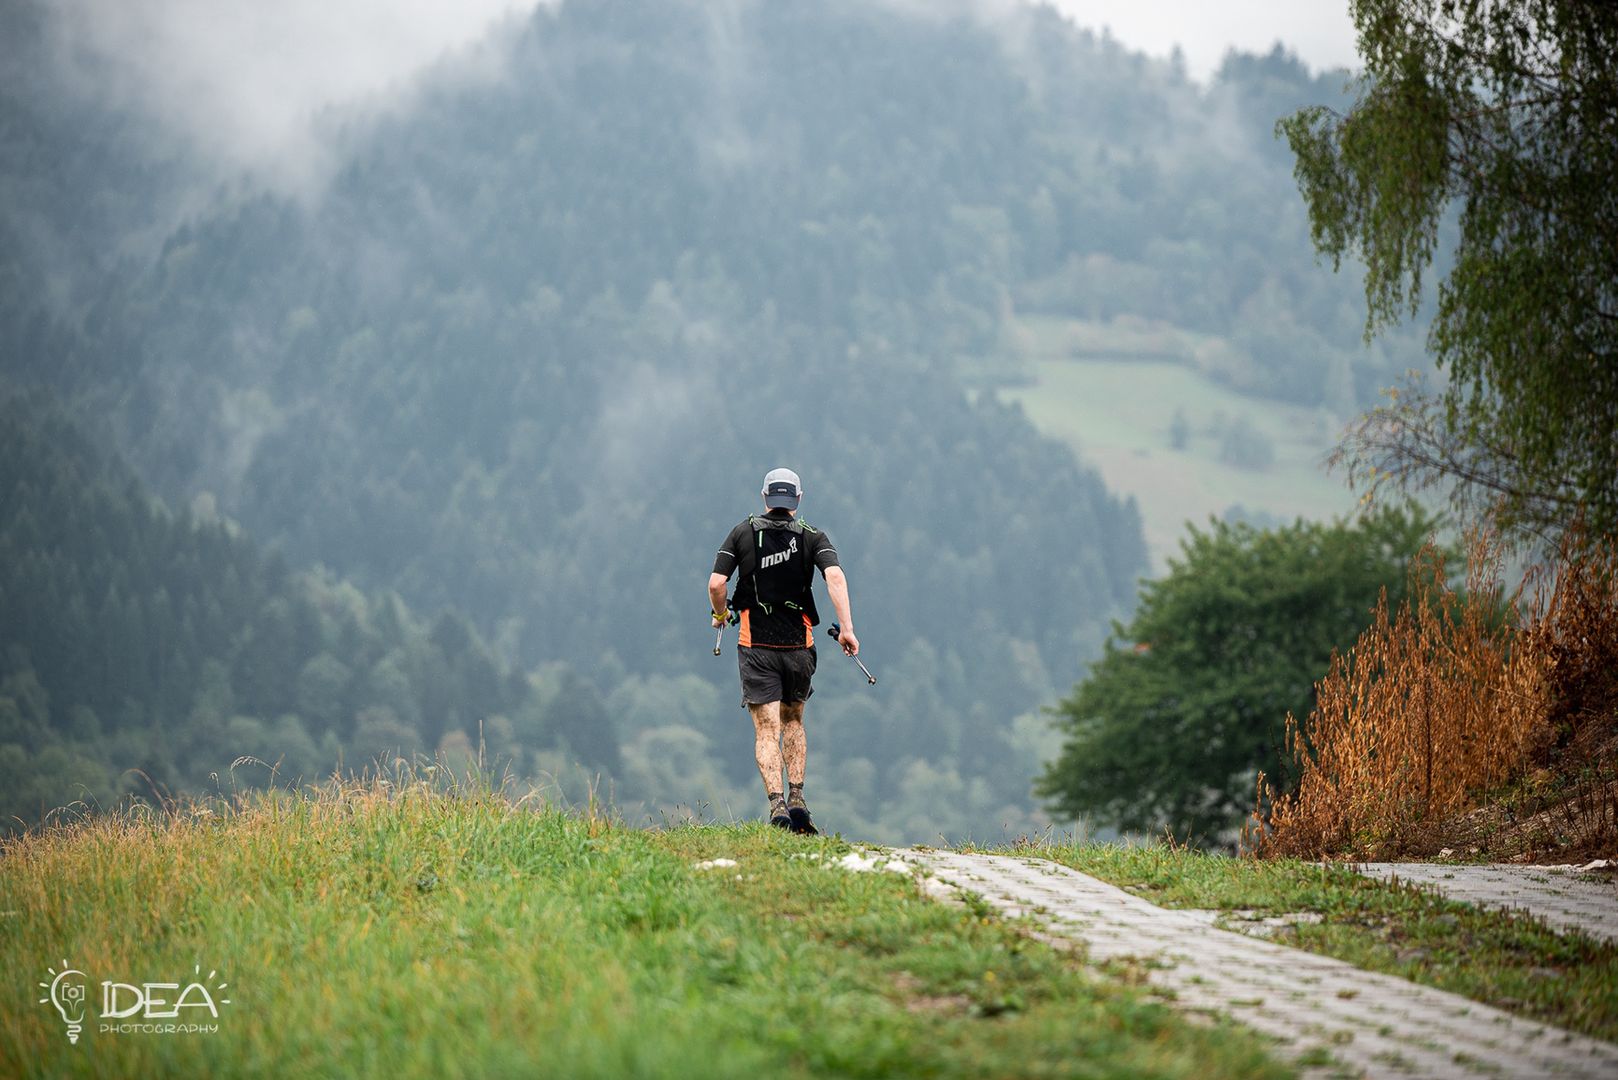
256, 89
1318, 31
244, 84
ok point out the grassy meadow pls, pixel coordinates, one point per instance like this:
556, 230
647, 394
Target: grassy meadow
1113, 396
396, 929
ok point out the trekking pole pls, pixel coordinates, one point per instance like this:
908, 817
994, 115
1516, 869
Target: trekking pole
719, 638
833, 631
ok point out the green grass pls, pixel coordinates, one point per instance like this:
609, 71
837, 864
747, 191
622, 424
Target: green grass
399, 931
1514, 963
1115, 411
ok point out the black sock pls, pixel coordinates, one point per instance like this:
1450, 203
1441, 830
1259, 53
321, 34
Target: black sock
774, 796
797, 789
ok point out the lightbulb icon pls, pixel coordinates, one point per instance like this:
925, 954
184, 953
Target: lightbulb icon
67, 993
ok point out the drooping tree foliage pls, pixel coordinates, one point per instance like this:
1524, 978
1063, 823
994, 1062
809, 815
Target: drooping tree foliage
1506, 115
1190, 701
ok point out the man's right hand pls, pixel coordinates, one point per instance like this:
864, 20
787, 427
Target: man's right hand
850, 643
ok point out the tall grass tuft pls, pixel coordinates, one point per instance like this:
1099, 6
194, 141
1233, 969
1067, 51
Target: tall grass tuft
1453, 698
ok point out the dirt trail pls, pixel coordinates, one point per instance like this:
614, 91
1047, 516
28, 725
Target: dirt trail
1370, 1024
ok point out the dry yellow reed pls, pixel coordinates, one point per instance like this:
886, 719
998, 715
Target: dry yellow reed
1447, 698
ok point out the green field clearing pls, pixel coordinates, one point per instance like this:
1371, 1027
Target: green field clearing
1116, 413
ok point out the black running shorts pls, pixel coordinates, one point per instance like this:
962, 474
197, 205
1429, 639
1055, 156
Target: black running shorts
775, 674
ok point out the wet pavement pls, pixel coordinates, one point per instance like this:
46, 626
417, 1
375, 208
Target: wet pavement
1562, 896
1369, 1024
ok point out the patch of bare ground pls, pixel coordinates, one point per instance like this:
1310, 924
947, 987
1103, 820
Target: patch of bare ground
1544, 829
1564, 811
910, 987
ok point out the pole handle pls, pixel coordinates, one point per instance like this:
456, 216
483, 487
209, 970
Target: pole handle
834, 631
730, 617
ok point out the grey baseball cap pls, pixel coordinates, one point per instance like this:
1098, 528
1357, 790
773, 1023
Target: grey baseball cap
782, 490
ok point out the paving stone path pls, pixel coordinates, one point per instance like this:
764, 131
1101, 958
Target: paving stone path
1564, 898
1370, 1024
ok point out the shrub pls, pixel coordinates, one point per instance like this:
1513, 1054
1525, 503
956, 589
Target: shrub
1450, 697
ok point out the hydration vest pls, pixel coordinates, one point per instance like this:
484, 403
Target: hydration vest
783, 573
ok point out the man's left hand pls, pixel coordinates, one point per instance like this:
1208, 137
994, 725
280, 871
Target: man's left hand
850, 643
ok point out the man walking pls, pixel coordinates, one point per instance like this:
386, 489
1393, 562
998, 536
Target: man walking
774, 556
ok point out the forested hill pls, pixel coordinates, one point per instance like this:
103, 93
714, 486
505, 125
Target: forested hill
530, 350
144, 651
544, 328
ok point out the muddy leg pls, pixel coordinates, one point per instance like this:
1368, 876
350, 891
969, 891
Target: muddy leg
767, 744
794, 743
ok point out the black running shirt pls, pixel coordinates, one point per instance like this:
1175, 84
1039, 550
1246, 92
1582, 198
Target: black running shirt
783, 629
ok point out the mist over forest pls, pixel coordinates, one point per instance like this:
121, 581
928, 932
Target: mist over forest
424, 444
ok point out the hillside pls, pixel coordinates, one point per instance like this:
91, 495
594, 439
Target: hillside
145, 652
528, 351
1184, 444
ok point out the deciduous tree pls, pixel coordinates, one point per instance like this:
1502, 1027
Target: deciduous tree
1506, 114
1191, 698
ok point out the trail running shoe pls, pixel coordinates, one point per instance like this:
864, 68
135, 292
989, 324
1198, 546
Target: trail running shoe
779, 817
798, 811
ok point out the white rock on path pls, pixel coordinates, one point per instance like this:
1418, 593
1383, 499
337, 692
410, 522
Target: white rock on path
860, 863
713, 864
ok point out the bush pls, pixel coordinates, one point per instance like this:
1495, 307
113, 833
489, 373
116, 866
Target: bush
1189, 701
1442, 702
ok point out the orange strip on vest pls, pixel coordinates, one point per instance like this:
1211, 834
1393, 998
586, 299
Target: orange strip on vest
744, 636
